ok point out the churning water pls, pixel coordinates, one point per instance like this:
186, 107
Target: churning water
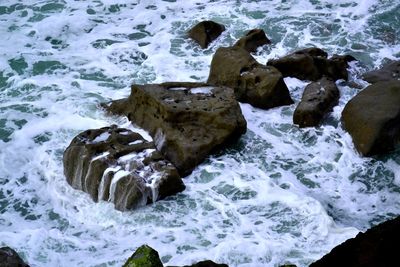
281, 195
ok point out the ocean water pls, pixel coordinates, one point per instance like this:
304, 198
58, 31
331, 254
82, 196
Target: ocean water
280, 195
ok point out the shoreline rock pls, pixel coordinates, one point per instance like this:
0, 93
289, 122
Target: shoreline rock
252, 40
10, 258
389, 71
206, 32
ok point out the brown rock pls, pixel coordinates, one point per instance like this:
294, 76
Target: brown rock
389, 71
253, 39
205, 32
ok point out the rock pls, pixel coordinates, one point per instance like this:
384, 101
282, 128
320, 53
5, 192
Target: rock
253, 39
187, 121
205, 32
389, 71
311, 64
144, 256
206, 263
10, 258
376, 247
119, 166
318, 99
258, 85
372, 118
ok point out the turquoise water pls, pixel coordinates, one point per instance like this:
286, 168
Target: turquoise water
280, 195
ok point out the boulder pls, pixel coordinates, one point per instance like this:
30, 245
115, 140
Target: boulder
206, 263
187, 121
389, 71
378, 246
10, 258
311, 64
253, 39
318, 99
372, 118
118, 165
144, 256
205, 32
253, 83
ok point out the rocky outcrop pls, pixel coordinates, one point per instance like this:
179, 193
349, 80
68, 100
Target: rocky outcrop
318, 99
389, 71
372, 118
144, 256
311, 64
253, 39
10, 258
206, 263
187, 121
119, 166
376, 247
258, 85
205, 32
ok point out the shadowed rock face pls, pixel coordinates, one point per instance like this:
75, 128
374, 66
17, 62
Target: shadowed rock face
253, 39
187, 121
205, 32
119, 166
10, 258
258, 85
390, 71
144, 256
376, 247
318, 99
372, 118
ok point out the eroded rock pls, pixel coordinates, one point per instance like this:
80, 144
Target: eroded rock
144, 256
253, 83
253, 39
205, 32
187, 121
10, 258
119, 166
389, 71
372, 118
318, 99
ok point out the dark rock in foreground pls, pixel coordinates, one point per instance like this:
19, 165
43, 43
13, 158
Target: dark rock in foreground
206, 263
253, 39
318, 99
187, 121
10, 258
205, 32
144, 256
258, 85
390, 71
372, 118
119, 166
376, 247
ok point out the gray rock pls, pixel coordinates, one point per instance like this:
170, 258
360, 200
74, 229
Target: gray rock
205, 32
10, 258
389, 71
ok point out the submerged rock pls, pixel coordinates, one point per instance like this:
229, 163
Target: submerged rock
318, 99
205, 32
253, 39
144, 256
10, 258
376, 247
119, 166
206, 263
389, 71
372, 118
187, 121
258, 85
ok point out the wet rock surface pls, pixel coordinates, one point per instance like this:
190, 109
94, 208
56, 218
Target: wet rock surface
118, 165
372, 118
187, 121
10, 258
318, 99
253, 39
389, 71
144, 256
205, 32
253, 83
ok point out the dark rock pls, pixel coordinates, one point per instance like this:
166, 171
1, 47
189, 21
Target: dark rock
372, 118
118, 165
206, 263
258, 85
390, 71
318, 99
311, 64
205, 32
144, 256
376, 247
253, 39
10, 258
187, 121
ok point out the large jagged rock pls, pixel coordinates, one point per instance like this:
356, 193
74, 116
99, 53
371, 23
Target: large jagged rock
205, 32
372, 118
253, 39
376, 247
144, 256
187, 121
318, 99
389, 71
10, 258
311, 64
118, 165
258, 85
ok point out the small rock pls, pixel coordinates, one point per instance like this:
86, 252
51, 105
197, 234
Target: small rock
205, 32
10, 258
389, 71
144, 256
253, 39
